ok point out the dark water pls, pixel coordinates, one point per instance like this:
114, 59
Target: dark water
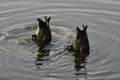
18, 52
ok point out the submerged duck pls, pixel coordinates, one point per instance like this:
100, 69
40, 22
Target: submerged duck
80, 42
43, 33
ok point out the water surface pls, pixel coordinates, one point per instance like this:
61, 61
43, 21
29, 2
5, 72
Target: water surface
17, 51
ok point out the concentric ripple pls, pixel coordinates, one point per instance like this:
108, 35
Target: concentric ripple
20, 60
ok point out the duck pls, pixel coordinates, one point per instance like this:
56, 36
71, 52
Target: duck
42, 34
80, 43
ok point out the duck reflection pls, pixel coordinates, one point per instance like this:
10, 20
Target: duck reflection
41, 57
80, 63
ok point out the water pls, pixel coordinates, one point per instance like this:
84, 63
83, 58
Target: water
17, 51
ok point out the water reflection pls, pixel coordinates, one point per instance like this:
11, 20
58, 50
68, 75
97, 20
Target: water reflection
80, 64
41, 57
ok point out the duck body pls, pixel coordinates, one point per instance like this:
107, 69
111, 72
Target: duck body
80, 43
43, 33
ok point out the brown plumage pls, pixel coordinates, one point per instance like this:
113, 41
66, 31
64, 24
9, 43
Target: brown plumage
80, 42
43, 33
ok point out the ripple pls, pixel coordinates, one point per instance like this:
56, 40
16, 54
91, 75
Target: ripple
17, 50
